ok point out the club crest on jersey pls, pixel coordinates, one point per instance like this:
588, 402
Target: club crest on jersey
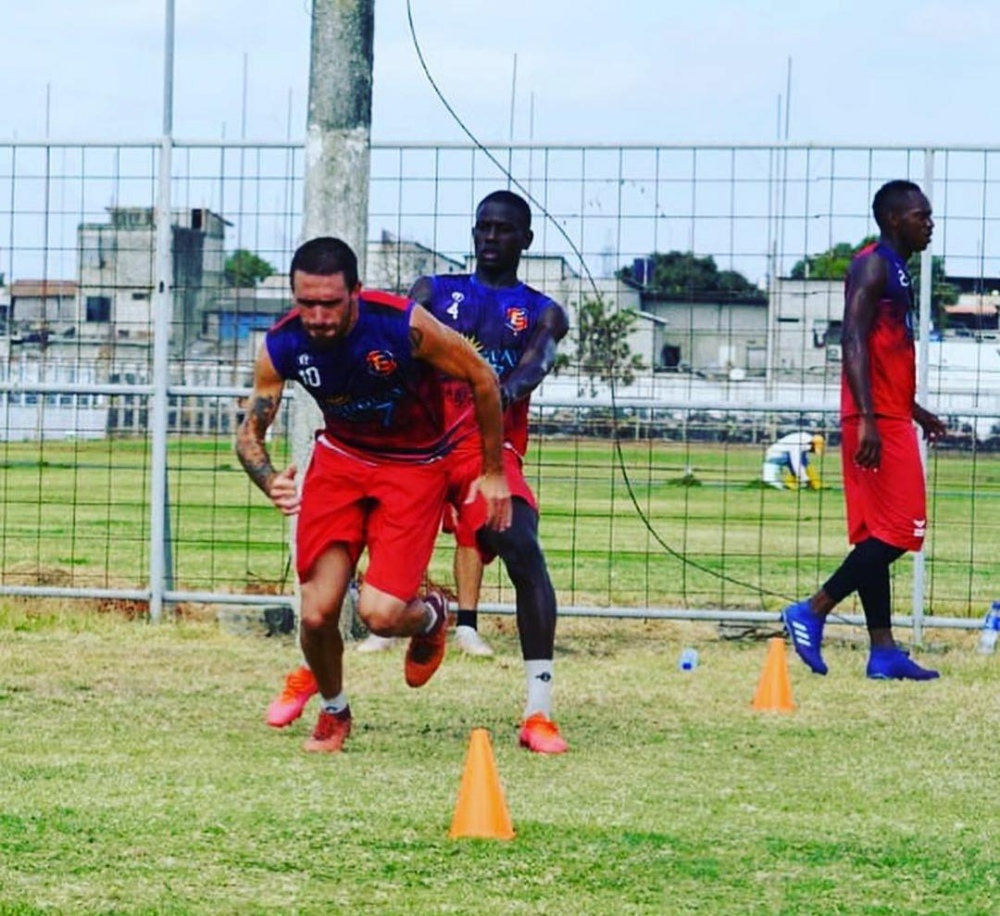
517, 319
380, 362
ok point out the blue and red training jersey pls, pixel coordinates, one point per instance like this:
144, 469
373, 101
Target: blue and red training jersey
891, 354
499, 321
376, 397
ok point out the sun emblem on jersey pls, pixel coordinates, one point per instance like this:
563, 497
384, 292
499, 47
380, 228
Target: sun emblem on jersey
380, 362
516, 318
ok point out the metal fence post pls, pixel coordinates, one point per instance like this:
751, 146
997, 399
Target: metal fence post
162, 320
926, 284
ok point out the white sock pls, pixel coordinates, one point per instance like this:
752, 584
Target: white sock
335, 704
538, 674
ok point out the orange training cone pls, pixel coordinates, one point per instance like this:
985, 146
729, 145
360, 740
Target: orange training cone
481, 810
774, 692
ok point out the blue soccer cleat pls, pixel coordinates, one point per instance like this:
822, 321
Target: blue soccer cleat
806, 631
891, 664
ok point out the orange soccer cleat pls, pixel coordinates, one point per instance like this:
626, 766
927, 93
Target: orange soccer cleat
426, 650
332, 730
300, 685
540, 735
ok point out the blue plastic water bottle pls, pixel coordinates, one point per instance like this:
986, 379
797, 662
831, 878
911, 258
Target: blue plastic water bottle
991, 630
688, 660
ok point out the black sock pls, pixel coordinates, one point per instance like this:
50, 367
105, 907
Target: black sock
866, 571
467, 619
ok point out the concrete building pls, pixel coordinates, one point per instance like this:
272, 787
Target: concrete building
237, 319
709, 337
974, 314
41, 309
393, 264
805, 319
117, 268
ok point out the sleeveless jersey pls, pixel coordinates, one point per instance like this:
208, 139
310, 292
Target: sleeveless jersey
891, 354
499, 322
376, 397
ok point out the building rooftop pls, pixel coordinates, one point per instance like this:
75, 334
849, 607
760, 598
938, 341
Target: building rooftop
42, 288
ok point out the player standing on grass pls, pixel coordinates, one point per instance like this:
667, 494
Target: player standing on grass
883, 474
517, 329
376, 479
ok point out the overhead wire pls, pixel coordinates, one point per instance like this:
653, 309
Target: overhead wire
678, 555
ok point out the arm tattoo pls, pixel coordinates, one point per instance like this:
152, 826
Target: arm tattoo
250, 446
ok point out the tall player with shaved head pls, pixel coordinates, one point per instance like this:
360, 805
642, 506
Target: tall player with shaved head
883, 473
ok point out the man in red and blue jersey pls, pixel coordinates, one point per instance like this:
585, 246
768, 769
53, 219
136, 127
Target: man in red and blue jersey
884, 484
376, 479
517, 329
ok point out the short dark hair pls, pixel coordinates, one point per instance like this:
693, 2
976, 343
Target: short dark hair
325, 256
890, 196
509, 199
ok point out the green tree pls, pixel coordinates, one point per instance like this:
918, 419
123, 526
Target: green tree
244, 268
831, 264
602, 351
684, 275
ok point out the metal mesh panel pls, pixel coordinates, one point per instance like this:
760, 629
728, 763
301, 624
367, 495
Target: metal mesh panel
650, 485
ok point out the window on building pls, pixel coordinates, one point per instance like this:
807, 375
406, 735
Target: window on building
98, 308
826, 333
670, 357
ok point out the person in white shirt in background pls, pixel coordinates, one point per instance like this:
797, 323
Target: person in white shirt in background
787, 462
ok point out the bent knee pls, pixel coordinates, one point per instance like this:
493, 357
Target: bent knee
381, 617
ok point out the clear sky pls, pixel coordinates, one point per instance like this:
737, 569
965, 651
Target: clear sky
634, 71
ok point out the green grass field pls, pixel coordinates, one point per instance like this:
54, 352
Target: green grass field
138, 777
614, 529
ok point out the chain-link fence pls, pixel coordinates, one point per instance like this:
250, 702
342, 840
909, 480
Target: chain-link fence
721, 262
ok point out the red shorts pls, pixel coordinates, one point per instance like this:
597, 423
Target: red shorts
464, 519
393, 509
888, 503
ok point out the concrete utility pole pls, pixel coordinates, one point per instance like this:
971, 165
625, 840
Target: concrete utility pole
338, 151
339, 126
